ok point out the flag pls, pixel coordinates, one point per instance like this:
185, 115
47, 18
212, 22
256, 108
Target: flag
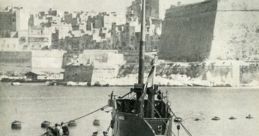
152, 74
149, 83
151, 77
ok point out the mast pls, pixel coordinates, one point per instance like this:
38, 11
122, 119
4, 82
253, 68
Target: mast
142, 44
141, 59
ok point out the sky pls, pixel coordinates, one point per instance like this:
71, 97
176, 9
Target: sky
86, 5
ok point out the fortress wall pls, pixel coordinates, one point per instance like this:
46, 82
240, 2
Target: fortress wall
249, 74
237, 4
47, 61
214, 29
188, 31
236, 33
222, 72
225, 31
15, 62
24, 61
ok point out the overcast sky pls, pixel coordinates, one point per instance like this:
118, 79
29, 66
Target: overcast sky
89, 5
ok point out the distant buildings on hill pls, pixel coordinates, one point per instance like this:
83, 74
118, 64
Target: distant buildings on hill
76, 31
91, 46
77, 46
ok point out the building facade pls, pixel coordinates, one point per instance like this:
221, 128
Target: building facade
7, 23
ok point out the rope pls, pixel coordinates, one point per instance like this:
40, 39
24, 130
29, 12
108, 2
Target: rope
125, 95
88, 113
108, 129
163, 121
145, 87
96, 109
185, 129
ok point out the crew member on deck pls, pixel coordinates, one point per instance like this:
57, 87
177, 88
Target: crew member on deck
65, 129
57, 130
50, 132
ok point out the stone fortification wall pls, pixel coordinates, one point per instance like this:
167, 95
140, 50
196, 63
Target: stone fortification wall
20, 62
47, 61
249, 74
236, 33
237, 4
105, 65
188, 31
15, 62
214, 30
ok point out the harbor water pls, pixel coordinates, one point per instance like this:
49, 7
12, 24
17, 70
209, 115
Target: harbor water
34, 103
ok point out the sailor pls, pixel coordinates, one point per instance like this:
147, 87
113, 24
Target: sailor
60, 130
65, 129
57, 130
50, 132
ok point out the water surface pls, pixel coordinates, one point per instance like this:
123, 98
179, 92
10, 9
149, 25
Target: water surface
34, 103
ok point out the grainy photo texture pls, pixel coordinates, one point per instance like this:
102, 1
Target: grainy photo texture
129, 67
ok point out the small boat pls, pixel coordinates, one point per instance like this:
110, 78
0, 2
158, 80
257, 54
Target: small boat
51, 83
15, 83
82, 83
71, 83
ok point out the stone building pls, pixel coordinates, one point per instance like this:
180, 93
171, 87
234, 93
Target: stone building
13, 20
152, 8
39, 38
7, 23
